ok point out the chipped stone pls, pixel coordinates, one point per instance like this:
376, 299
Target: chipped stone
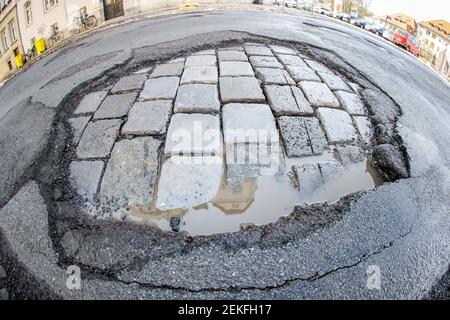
98, 139
129, 83
302, 136
168, 70
91, 102
85, 177
198, 181
200, 61
230, 55
131, 172
240, 89
351, 103
338, 125
334, 82
287, 100
197, 98
274, 76
78, 125
206, 75
148, 118
265, 62
193, 134
235, 69
115, 106
319, 95
160, 88
300, 73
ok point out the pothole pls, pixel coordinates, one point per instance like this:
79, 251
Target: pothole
220, 140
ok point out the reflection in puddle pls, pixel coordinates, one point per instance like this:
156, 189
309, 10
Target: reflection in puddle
260, 200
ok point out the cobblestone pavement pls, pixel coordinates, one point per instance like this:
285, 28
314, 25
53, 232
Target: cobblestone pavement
168, 137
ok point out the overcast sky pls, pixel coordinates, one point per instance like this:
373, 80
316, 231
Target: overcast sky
419, 9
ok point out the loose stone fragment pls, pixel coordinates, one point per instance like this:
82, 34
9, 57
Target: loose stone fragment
240, 89
235, 69
85, 177
302, 136
274, 76
98, 139
115, 106
193, 134
300, 73
319, 95
160, 88
351, 102
338, 125
265, 62
167, 70
206, 75
148, 118
91, 102
78, 125
129, 83
334, 82
287, 100
197, 98
131, 172
197, 181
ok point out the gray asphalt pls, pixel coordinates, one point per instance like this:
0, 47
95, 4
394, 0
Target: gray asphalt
402, 227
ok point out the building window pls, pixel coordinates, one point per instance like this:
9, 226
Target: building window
10, 66
28, 13
4, 40
50, 4
12, 30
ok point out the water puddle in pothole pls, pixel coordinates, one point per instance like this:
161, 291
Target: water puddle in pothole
260, 200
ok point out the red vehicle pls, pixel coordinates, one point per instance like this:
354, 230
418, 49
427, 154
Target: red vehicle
407, 41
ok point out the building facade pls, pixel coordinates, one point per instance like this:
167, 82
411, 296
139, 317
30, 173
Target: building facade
10, 39
401, 21
434, 39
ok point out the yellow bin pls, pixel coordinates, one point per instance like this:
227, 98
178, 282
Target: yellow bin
19, 61
40, 45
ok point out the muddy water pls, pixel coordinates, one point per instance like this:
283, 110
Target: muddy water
261, 200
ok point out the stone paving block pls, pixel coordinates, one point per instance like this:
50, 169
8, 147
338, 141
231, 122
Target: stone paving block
350, 154
234, 48
318, 66
148, 118
292, 60
338, 125
265, 62
129, 83
287, 100
334, 82
131, 172
205, 52
240, 89
193, 134
248, 123
115, 106
229, 55
167, 70
282, 50
274, 76
319, 95
197, 179
300, 73
98, 139
351, 103
312, 176
177, 60
85, 177
91, 102
197, 98
160, 88
200, 61
235, 69
364, 127
302, 136
78, 125
144, 70
206, 75
257, 50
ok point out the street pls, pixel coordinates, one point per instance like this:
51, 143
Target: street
360, 98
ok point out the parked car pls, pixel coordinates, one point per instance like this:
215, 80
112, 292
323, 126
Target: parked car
388, 35
350, 19
339, 15
375, 28
361, 23
407, 41
287, 3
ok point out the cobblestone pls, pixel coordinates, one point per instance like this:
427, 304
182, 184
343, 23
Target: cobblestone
351, 103
229, 55
98, 139
78, 125
240, 89
300, 73
257, 50
85, 177
287, 100
292, 60
201, 61
274, 76
129, 83
282, 50
365, 129
197, 98
206, 75
168, 70
312, 176
319, 95
235, 69
338, 125
91, 102
265, 62
318, 66
334, 82
160, 88
115, 106
148, 118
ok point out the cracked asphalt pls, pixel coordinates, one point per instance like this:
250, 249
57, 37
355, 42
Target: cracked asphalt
402, 227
